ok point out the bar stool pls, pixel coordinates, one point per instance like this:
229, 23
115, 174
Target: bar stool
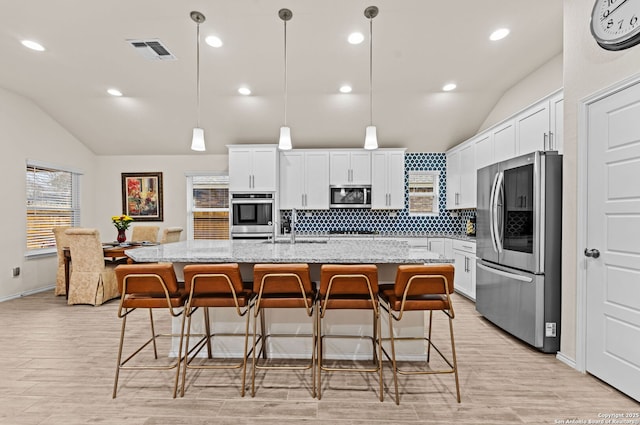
353, 286
421, 288
149, 286
282, 286
217, 286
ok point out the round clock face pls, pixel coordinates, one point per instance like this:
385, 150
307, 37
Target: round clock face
615, 24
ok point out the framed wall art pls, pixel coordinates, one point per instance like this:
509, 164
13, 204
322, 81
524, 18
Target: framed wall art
142, 196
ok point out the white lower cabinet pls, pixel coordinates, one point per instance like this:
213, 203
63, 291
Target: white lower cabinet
464, 254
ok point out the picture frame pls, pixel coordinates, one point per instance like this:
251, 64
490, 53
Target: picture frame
142, 196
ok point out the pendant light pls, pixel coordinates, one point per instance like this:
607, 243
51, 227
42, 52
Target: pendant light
371, 138
197, 142
285, 132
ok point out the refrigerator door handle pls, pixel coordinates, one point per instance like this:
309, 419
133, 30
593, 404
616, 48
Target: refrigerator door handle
495, 224
499, 205
492, 213
505, 274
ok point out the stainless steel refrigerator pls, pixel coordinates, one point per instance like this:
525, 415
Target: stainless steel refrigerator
519, 230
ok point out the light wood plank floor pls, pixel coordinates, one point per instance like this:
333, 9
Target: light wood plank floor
58, 366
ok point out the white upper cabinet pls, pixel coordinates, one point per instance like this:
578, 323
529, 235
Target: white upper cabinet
387, 179
556, 112
350, 167
461, 176
532, 129
484, 150
253, 168
304, 179
504, 141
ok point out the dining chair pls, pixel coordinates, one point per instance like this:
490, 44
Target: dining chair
150, 287
170, 234
349, 287
62, 241
92, 281
282, 286
142, 233
421, 288
216, 286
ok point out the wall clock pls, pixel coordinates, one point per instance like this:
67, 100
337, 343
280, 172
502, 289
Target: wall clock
615, 24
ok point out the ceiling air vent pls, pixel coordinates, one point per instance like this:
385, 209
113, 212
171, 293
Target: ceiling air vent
152, 49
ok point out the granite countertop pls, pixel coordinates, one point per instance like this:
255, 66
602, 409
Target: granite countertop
305, 250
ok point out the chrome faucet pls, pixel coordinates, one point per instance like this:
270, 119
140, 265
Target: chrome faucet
294, 221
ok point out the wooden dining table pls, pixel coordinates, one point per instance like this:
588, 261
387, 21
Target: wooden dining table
112, 251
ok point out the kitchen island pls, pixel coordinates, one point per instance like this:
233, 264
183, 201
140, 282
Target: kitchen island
387, 254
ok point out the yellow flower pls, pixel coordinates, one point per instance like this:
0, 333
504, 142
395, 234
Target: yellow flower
121, 222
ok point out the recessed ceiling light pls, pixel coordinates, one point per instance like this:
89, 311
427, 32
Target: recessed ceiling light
356, 38
246, 91
345, 88
449, 87
213, 41
33, 45
114, 92
499, 34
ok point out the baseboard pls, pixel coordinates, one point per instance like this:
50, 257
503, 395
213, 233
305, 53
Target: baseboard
27, 293
566, 360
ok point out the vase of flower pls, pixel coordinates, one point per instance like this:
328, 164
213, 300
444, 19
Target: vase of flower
122, 223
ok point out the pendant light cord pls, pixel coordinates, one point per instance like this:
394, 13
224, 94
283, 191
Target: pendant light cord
371, 70
198, 74
285, 73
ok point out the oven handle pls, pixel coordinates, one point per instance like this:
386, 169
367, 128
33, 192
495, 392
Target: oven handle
251, 201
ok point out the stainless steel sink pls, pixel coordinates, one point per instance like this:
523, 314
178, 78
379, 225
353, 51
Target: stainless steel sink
298, 241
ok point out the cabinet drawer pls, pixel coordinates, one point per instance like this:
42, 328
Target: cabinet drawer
466, 246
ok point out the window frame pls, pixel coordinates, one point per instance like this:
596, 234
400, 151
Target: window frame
190, 204
75, 210
435, 194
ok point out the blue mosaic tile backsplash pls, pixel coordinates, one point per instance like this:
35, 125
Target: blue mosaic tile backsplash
322, 221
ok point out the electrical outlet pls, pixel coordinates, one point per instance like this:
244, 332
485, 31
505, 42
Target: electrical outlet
393, 214
308, 214
15, 272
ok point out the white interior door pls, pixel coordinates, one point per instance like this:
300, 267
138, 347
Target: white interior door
613, 232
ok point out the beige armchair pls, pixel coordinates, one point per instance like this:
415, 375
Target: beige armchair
145, 234
170, 234
61, 242
91, 282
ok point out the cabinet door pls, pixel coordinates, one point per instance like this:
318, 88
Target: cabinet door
453, 180
361, 168
339, 168
484, 151
240, 177
462, 277
395, 179
264, 169
532, 127
316, 176
504, 141
291, 181
556, 126
379, 194
468, 177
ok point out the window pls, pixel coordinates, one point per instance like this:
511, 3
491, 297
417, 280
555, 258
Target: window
424, 192
52, 200
208, 206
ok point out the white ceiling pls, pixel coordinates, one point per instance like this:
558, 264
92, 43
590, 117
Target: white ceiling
418, 45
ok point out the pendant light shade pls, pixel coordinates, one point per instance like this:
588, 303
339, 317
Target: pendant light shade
285, 139
197, 142
371, 136
285, 132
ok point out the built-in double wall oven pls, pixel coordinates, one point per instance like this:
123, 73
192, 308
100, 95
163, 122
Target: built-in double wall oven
252, 215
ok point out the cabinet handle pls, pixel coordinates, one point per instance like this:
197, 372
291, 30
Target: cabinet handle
466, 264
544, 142
457, 198
305, 200
551, 142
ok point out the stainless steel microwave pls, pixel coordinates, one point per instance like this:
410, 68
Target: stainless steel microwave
350, 196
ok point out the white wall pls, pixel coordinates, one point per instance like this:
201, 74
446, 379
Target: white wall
541, 82
26, 132
588, 68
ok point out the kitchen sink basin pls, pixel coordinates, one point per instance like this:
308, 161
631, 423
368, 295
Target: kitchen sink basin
298, 241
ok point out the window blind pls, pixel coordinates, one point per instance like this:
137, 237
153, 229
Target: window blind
209, 206
52, 200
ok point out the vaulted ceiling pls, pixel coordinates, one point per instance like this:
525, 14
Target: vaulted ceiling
418, 46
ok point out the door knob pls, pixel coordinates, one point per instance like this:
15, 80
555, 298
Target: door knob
593, 253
